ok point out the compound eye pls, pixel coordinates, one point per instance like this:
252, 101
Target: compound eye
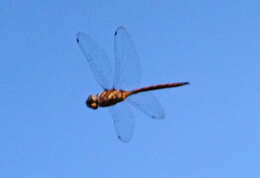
92, 102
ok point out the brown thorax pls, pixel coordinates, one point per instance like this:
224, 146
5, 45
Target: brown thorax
107, 98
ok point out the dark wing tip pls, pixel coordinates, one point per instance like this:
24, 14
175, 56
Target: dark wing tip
78, 36
159, 117
118, 29
123, 139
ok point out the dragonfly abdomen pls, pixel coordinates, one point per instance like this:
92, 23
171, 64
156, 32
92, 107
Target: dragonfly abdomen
157, 87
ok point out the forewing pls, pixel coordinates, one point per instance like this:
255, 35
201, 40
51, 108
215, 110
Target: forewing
127, 64
98, 61
148, 104
123, 121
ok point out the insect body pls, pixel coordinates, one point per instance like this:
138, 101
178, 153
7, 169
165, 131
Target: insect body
112, 97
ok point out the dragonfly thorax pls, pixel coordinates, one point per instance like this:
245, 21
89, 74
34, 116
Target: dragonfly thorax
106, 98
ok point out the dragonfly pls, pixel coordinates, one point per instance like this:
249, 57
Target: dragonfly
119, 82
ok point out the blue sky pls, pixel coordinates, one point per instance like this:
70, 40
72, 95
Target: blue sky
211, 127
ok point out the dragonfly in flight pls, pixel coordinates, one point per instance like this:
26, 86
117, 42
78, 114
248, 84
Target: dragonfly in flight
120, 88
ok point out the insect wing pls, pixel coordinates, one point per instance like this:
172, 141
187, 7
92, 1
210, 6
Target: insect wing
123, 120
127, 66
148, 104
98, 61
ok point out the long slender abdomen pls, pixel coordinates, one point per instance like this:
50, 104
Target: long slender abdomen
157, 87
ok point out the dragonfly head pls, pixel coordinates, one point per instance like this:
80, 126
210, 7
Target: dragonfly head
92, 101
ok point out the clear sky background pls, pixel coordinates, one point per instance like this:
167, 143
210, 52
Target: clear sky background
212, 127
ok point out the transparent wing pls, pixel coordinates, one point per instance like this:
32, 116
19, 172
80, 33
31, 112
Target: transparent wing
123, 121
127, 66
148, 104
98, 61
